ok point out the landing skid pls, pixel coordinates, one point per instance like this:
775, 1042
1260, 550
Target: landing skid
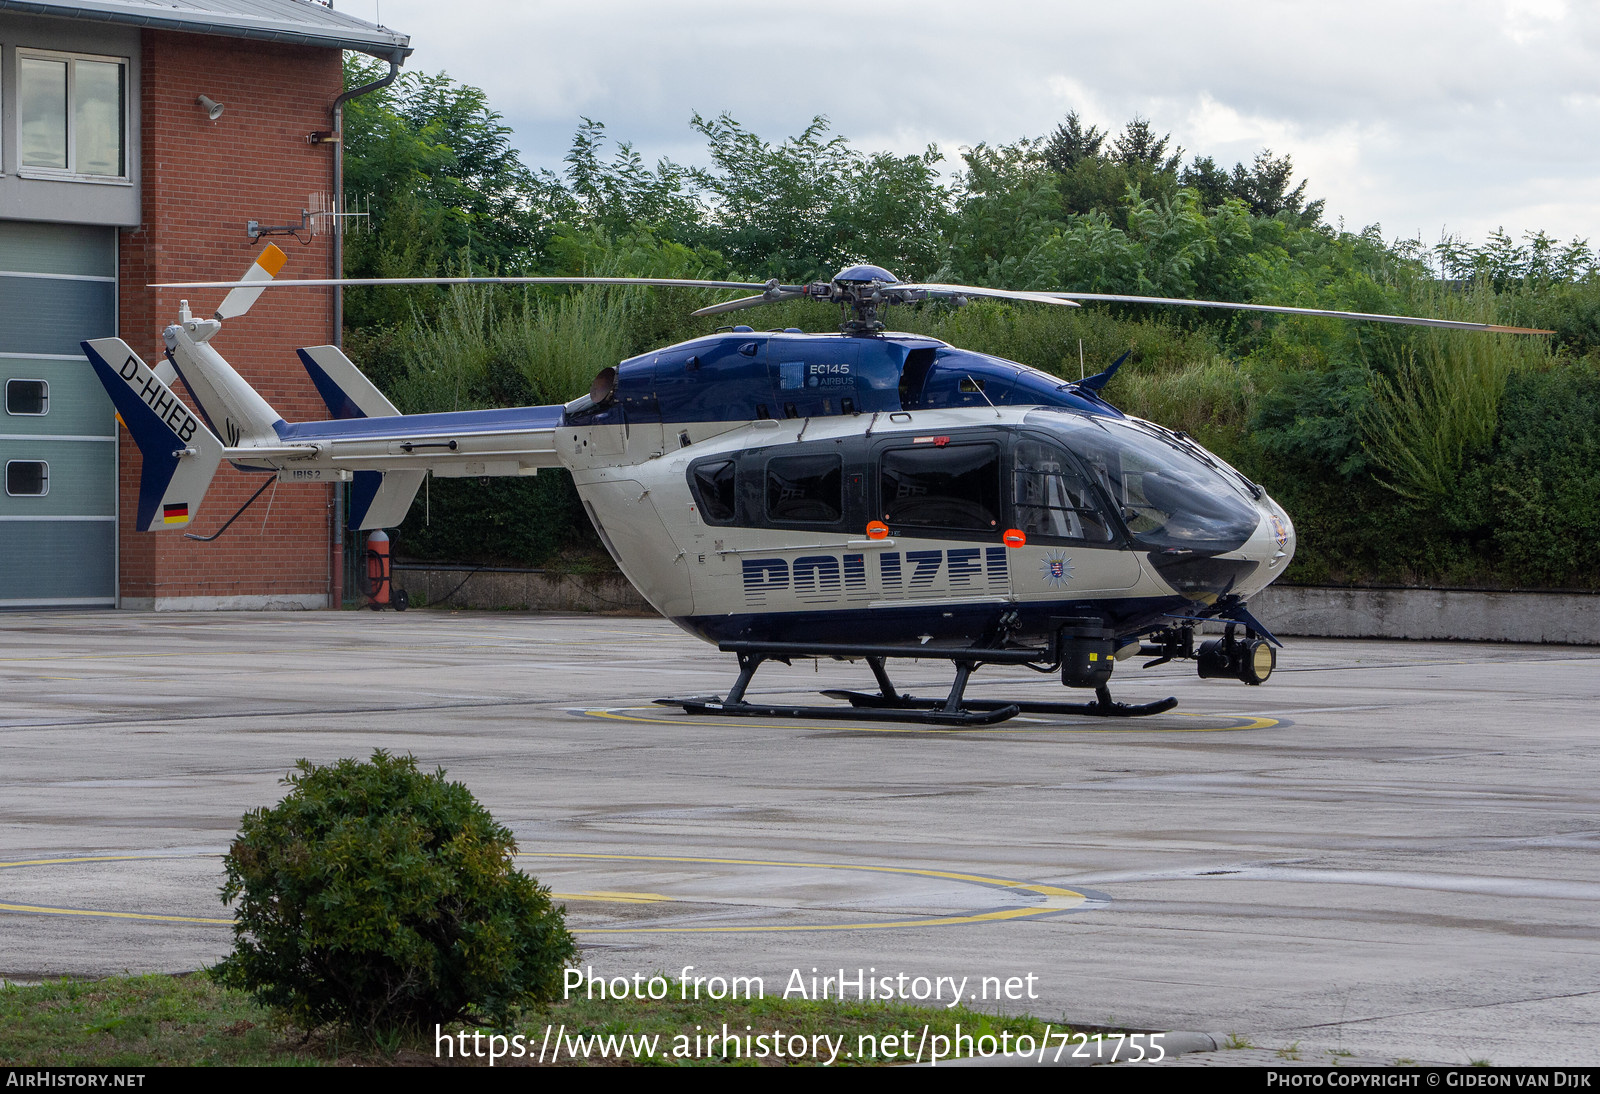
1103, 707
924, 716
890, 705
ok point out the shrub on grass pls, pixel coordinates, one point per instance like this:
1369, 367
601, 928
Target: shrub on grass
376, 897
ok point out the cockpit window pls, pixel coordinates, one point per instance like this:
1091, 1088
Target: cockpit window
1166, 495
1052, 498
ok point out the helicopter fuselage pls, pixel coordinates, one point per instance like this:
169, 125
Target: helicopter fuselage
1000, 500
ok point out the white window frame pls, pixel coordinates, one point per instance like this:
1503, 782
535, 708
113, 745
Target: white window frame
23, 413
43, 493
69, 173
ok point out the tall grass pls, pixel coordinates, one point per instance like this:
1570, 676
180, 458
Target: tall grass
1439, 403
1210, 400
489, 348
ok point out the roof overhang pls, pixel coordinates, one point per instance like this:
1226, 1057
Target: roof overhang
292, 21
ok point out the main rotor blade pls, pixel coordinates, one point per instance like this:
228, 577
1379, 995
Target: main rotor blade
328, 282
747, 302
974, 290
1406, 320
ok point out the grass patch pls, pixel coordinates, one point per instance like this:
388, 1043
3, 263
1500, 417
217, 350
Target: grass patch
186, 1021
177, 1021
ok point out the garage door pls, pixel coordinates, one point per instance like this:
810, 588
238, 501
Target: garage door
58, 433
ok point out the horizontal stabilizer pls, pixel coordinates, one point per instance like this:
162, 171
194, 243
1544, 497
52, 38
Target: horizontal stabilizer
180, 454
381, 499
348, 393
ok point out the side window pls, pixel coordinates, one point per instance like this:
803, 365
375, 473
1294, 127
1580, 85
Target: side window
713, 485
27, 397
1052, 499
72, 113
27, 478
805, 489
951, 486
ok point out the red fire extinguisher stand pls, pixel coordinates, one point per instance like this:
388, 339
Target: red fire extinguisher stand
378, 571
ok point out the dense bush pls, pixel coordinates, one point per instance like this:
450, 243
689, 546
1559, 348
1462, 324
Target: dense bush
1538, 497
375, 897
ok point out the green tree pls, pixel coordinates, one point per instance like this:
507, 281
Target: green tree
622, 195
1264, 187
806, 207
1071, 143
1139, 147
434, 165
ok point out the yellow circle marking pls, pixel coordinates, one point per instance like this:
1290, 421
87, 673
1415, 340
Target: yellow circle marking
607, 896
43, 910
1029, 725
103, 858
1057, 899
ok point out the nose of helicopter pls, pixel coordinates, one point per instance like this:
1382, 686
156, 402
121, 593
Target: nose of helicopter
1273, 543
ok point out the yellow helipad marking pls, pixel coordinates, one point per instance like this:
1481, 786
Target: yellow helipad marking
938, 921
105, 858
44, 910
1023, 723
1056, 899
606, 896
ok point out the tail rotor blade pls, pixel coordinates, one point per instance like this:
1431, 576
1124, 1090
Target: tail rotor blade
264, 269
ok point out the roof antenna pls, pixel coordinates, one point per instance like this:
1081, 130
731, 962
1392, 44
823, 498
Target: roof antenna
1080, 360
978, 387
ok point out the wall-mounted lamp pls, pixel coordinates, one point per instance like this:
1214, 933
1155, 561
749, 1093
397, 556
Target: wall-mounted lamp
212, 108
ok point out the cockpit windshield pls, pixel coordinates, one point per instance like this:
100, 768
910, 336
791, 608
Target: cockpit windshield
1166, 494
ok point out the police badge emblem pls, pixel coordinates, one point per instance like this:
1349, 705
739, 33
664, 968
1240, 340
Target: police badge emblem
1057, 570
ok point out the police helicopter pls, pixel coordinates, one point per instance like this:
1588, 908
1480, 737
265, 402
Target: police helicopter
865, 495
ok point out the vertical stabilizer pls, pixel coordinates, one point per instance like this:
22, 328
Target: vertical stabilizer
180, 454
381, 499
343, 387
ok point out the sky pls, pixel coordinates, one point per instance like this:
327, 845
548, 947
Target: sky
1423, 117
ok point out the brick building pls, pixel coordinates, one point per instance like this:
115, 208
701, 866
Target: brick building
114, 175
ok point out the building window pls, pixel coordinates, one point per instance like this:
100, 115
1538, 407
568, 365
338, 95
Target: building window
27, 396
27, 478
73, 114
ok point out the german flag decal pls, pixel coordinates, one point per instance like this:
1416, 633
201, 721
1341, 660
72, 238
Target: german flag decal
175, 514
